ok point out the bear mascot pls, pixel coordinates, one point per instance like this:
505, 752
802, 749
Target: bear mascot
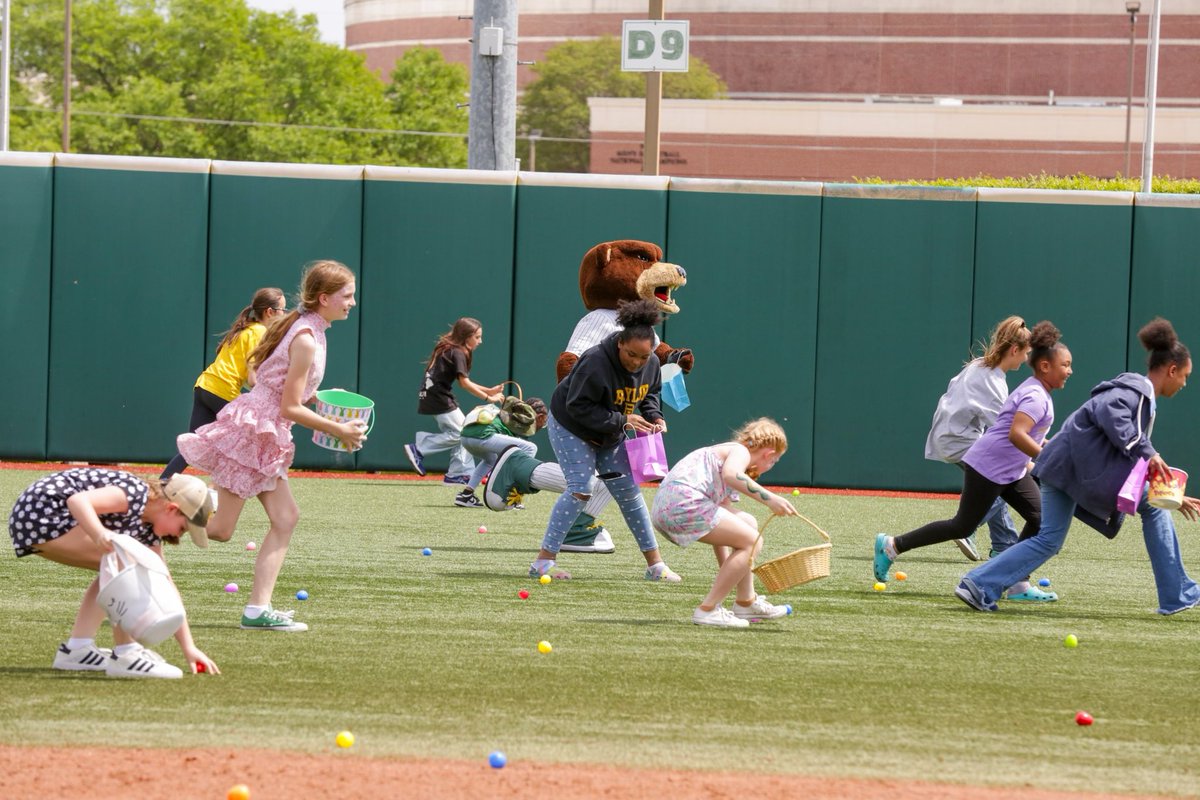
611, 272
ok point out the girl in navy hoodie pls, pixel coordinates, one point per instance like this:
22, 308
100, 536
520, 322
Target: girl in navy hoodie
1082, 469
614, 385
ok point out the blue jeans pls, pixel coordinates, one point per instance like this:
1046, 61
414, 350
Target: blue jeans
487, 451
1176, 590
580, 462
1000, 526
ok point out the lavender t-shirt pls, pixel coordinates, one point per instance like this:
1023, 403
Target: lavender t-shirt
996, 458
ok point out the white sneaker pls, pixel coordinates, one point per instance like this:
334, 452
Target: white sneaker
141, 662
661, 572
82, 659
759, 609
719, 617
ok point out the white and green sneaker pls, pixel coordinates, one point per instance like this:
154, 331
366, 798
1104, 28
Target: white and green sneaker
272, 620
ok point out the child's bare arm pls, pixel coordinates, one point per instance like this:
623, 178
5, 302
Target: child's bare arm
86, 507
734, 472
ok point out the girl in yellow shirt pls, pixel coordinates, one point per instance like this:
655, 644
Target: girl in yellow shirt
223, 379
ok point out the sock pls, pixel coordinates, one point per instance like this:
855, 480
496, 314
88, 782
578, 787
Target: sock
122, 649
542, 565
889, 547
254, 612
1018, 587
75, 644
657, 569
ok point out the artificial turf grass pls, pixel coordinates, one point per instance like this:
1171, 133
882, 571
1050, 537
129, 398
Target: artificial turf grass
436, 656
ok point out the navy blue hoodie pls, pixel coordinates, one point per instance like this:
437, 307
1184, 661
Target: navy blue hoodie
1091, 456
592, 401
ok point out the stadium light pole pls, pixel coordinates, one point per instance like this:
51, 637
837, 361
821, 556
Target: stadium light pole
1132, 7
1151, 98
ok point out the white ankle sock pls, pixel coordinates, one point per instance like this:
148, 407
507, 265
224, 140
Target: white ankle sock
75, 644
889, 547
1018, 587
543, 565
122, 649
254, 612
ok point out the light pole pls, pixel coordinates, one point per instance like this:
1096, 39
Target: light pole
1133, 7
66, 109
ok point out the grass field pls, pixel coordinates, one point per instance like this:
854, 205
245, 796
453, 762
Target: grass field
437, 656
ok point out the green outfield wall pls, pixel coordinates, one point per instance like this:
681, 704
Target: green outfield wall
841, 310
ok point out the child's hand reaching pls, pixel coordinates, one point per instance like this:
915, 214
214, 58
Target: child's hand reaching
200, 662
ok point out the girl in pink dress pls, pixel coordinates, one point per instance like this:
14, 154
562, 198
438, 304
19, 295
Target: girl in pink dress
249, 448
694, 503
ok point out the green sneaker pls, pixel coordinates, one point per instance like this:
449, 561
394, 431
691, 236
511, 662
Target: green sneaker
509, 480
272, 620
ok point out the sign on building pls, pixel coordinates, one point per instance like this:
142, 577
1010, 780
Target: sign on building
653, 45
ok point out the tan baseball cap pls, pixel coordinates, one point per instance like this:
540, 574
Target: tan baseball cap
194, 501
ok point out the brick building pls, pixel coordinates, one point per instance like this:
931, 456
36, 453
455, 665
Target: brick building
896, 88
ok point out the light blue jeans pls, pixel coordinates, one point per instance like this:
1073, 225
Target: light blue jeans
486, 451
448, 437
1000, 526
581, 462
1176, 590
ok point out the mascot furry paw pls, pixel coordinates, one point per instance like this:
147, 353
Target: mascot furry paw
610, 273
623, 270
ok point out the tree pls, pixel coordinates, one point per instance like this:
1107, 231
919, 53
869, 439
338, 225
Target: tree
425, 94
556, 101
136, 62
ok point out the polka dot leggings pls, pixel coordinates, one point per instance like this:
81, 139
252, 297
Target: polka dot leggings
580, 463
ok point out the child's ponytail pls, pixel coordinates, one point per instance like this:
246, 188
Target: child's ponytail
263, 300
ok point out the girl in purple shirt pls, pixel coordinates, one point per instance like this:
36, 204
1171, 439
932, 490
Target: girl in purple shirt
998, 464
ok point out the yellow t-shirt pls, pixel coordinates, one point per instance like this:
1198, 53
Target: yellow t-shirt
226, 374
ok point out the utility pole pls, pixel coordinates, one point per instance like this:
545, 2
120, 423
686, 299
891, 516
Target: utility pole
5, 61
1133, 7
66, 110
492, 133
653, 140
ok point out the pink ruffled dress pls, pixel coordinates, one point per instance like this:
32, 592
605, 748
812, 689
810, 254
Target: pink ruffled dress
249, 447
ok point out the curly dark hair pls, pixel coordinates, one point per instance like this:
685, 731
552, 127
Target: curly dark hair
1159, 337
637, 319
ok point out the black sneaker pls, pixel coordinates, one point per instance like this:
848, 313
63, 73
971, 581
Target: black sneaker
457, 480
467, 499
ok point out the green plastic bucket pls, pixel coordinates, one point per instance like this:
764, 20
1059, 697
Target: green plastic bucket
342, 406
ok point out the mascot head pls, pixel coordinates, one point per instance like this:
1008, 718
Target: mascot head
628, 270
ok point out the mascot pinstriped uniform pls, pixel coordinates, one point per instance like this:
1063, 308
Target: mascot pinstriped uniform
611, 272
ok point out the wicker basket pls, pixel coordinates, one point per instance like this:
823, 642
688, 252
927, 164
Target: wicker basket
800, 566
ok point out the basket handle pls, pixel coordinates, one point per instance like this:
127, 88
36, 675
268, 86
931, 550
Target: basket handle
763, 529
520, 395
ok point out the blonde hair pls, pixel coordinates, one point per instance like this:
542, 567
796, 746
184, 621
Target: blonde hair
155, 492
762, 432
320, 277
1009, 332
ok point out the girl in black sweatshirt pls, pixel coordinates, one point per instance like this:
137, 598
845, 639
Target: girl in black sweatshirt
613, 385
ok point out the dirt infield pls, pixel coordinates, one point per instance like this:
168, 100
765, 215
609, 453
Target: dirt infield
196, 773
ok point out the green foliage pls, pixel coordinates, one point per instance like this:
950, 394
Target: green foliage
556, 101
1164, 184
424, 95
135, 61
436, 656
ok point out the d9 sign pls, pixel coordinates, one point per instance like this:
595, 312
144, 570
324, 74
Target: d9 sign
651, 45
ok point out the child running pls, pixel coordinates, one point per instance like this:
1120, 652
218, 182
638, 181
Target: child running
224, 378
694, 503
249, 448
1083, 468
968, 408
450, 361
71, 516
998, 464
